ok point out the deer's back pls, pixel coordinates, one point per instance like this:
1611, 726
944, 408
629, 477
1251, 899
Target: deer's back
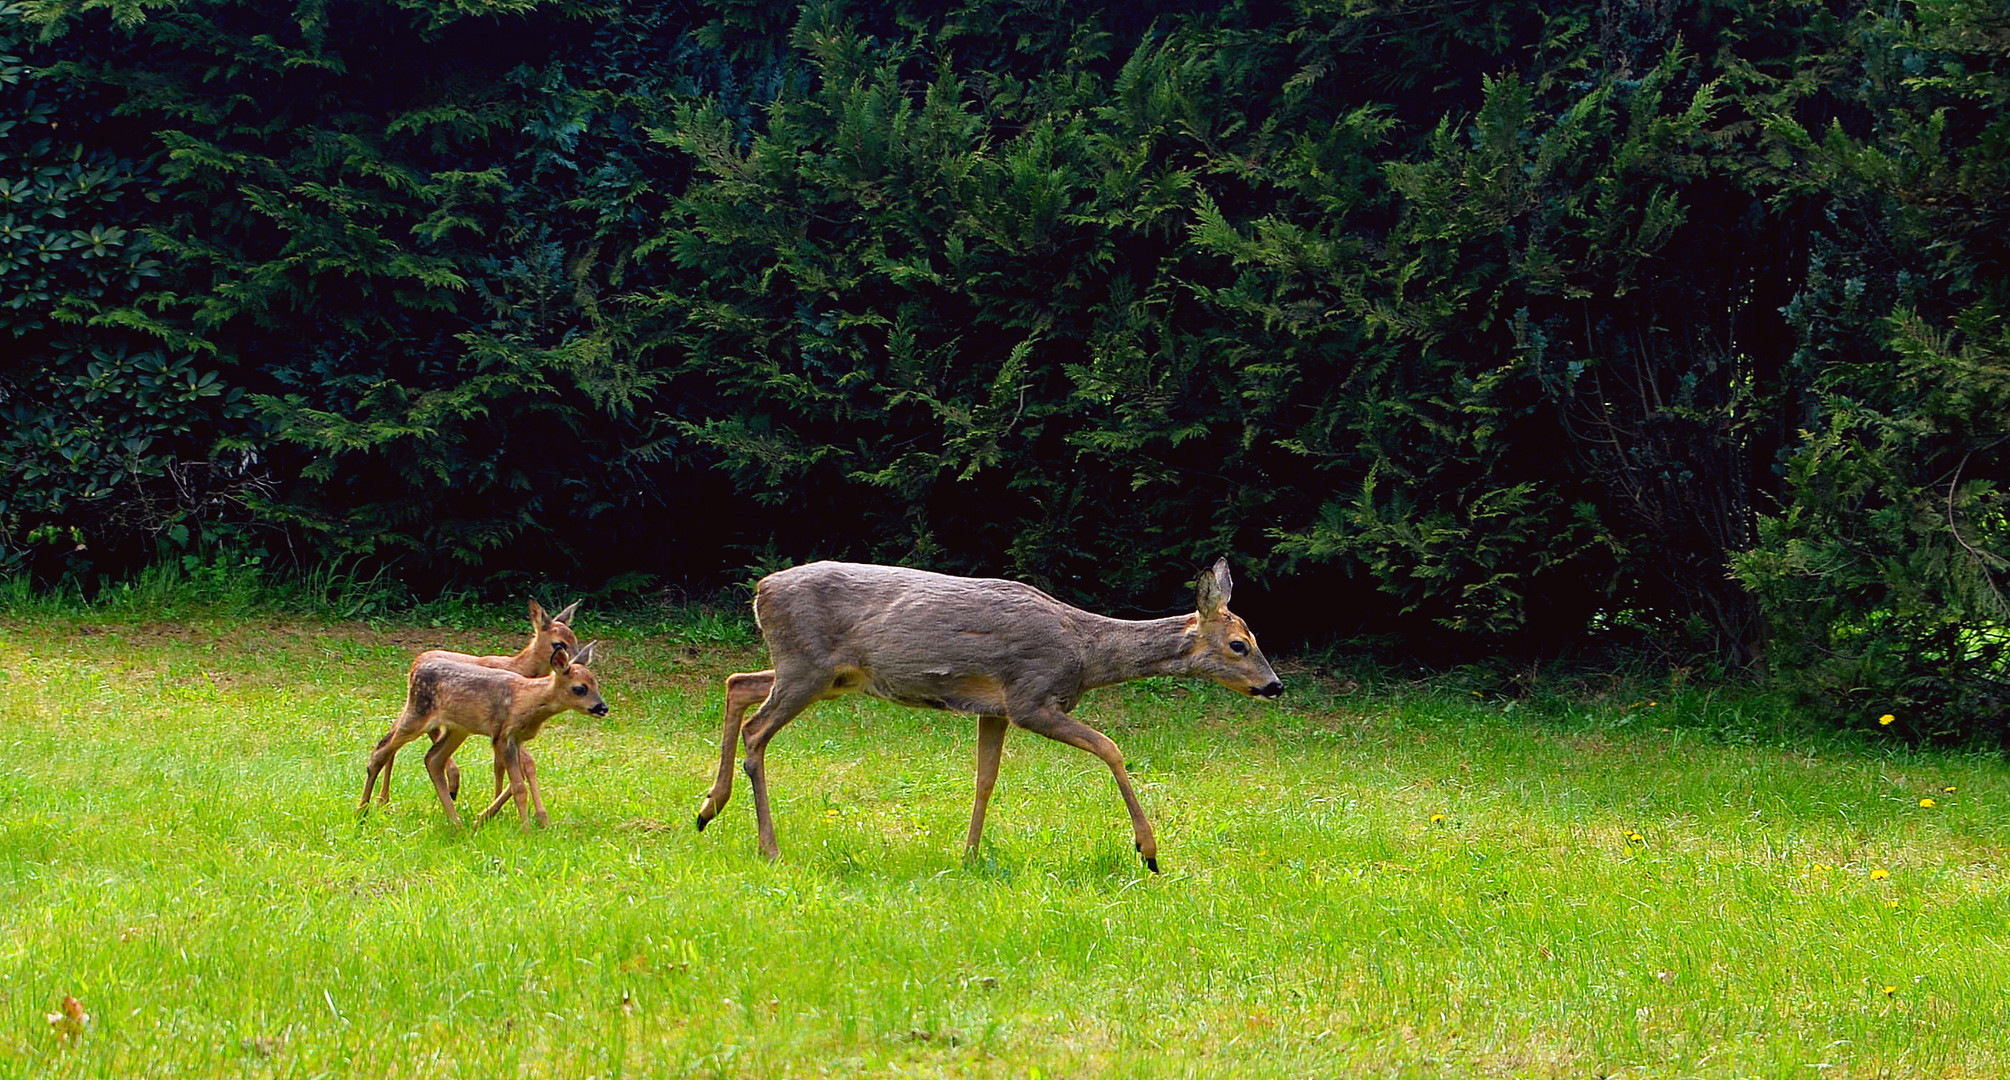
460, 692
919, 637
504, 663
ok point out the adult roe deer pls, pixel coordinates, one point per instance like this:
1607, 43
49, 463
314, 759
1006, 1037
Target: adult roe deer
458, 699
1001, 650
532, 661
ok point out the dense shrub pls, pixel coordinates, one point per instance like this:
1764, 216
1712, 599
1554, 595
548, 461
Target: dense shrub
1478, 329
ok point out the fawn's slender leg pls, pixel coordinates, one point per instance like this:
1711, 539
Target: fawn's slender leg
381, 757
529, 775
743, 691
788, 698
437, 759
1059, 726
536, 797
509, 754
990, 746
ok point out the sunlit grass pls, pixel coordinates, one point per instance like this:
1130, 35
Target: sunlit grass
1386, 884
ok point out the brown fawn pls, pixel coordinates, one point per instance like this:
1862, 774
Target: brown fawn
532, 661
1001, 650
458, 699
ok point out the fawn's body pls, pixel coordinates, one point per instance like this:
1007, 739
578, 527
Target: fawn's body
452, 700
1001, 650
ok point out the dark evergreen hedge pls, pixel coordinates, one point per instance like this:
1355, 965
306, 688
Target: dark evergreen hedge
1481, 328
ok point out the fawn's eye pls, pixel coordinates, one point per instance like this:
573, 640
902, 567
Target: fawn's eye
1239, 647
579, 691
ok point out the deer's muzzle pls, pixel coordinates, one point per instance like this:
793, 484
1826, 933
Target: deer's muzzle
1274, 688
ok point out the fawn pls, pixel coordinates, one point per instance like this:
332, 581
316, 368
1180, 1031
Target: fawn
458, 699
1001, 650
547, 632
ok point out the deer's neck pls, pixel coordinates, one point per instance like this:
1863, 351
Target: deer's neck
525, 662
533, 708
1126, 649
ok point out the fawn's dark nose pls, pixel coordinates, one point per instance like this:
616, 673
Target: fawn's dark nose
1275, 688
599, 710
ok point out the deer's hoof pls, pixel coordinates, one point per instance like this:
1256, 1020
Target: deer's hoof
1151, 861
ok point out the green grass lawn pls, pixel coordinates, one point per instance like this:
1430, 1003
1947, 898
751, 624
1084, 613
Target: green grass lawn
1401, 883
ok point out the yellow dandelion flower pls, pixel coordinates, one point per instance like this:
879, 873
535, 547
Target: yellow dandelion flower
1652, 704
1437, 819
1949, 789
1820, 868
1636, 838
1891, 904
1926, 802
1886, 718
1888, 990
1879, 874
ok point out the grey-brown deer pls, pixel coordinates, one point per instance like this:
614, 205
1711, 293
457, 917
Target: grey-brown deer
533, 661
458, 699
1001, 650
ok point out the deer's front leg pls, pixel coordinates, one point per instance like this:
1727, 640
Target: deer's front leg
788, 698
990, 746
1059, 726
529, 778
536, 796
743, 692
509, 755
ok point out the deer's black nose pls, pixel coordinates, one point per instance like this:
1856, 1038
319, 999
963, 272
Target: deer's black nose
1275, 688
599, 710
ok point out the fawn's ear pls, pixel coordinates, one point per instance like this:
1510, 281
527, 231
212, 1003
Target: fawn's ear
561, 656
586, 654
566, 615
538, 618
1212, 589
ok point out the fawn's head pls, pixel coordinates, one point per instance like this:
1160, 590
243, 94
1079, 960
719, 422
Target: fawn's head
549, 632
1224, 650
573, 682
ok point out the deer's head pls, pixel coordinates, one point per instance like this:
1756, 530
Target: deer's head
1224, 650
574, 682
552, 632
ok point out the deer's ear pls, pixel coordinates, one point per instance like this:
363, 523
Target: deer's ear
537, 616
561, 656
565, 616
586, 654
1212, 589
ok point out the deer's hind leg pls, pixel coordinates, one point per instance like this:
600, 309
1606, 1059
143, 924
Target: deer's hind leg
1059, 726
743, 692
438, 759
403, 730
990, 747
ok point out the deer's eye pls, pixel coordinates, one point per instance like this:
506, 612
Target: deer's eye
1239, 647
579, 691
